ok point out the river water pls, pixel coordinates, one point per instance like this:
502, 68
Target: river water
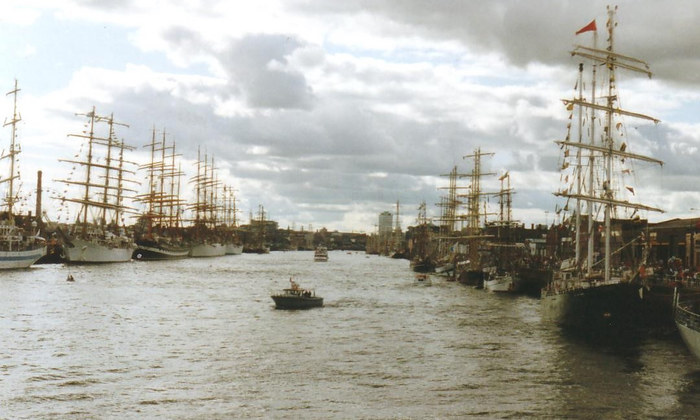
200, 338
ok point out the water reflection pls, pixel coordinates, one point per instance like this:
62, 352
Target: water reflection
625, 376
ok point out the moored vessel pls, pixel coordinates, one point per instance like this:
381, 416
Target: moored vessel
100, 247
593, 304
159, 230
206, 249
687, 319
506, 254
99, 234
205, 241
257, 244
234, 249
500, 283
470, 264
420, 246
19, 248
230, 227
596, 289
159, 249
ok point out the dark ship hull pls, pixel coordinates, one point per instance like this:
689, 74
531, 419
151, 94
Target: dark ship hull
531, 281
297, 302
150, 251
422, 266
471, 277
614, 308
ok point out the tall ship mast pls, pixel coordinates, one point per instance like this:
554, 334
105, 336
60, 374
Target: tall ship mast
99, 233
505, 203
506, 254
448, 219
19, 247
258, 227
450, 224
469, 268
203, 235
398, 244
158, 233
422, 260
589, 290
230, 222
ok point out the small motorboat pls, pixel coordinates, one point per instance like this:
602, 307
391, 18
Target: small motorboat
500, 283
296, 297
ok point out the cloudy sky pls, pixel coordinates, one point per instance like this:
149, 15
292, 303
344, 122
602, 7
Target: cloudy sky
328, 112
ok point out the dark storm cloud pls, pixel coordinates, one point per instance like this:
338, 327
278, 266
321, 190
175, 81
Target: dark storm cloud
675, 147
189, 125
540, 30
330, 129
257, 66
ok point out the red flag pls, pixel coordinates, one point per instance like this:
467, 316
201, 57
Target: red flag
590, 27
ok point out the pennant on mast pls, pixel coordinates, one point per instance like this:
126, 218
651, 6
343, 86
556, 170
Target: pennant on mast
590, 27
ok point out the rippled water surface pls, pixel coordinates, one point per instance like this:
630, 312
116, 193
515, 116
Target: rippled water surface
200, 338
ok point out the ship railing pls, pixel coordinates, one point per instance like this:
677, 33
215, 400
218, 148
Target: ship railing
687, 308
687, 317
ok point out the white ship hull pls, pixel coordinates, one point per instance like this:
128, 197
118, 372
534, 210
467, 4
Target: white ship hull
20, 259
691, 338
207, 250
500, 284
84, 251
233, 249
687, 318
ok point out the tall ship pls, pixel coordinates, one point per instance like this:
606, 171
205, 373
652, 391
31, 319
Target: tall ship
506, 254
422, 255
99, 234
447, 245
229, 228
19, 247
596, 289
398, 244
257, 243
158, 232
204, 238
469, 266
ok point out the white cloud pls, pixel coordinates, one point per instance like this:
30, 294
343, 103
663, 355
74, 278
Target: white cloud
27, 51
22, 13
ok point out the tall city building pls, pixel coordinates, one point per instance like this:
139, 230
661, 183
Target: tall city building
386, 223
